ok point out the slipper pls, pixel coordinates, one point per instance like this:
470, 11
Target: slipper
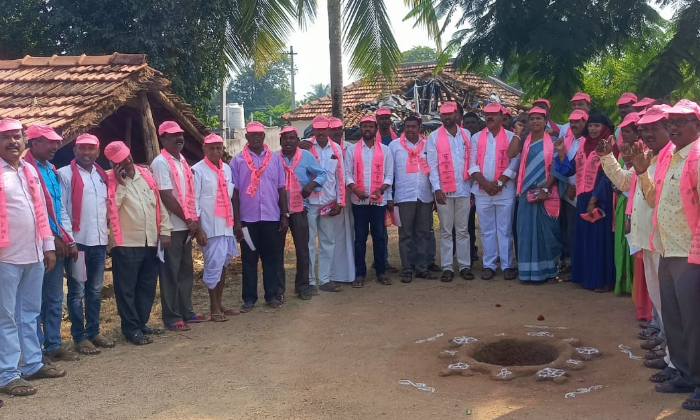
198, 318
359, 282
466, 273
140, 340
45, 372
87, 348
653, 344
152, 331
674, 386
384, 280
425, 275
655, 364
101, 341
447, 276
62, 355
274, 303
330, 287
406, 278
178, 326
692, 402
655, 354
648, 334
247, 307
18, 388
219, 318
664, 375
231, 311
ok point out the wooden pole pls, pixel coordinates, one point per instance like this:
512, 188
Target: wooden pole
127, 133
150, 136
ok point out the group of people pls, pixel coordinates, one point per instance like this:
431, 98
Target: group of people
612, 209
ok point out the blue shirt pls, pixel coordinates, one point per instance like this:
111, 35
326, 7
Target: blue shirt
46, 172
307, 170
386, 140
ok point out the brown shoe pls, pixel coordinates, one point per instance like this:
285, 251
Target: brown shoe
652, 344
510, 274
62, 355
488, 274
655, 364
102, 341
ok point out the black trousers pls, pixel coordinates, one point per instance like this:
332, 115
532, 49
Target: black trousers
299, 227
176, 278
267, 242
135, 273
369, 219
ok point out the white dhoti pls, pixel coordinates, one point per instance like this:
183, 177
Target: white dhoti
496, 225
343, 264
324, 228
218, 253
455, 214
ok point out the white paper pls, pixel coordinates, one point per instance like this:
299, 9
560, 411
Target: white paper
78, 269
160, 252
633, 249
247, 238
397, 218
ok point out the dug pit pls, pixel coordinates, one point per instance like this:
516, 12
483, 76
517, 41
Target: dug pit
516, 352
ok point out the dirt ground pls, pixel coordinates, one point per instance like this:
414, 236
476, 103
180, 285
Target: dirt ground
340, 356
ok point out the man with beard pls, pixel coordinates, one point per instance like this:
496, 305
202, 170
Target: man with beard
43, 144
176, 185
676, 216
369, 172
84, 196
448, 159
494, 190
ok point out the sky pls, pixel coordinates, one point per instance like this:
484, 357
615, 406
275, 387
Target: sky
311, 46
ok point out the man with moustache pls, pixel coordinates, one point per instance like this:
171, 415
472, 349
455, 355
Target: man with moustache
369, 173
176, 185
493, 173
387, 135
84, 196
26, 252
507, 119
43, 145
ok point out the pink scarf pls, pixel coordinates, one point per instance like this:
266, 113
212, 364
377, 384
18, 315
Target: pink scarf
502, 160
376, 172
186, 198
445, 166
112, 211
255, 173
568, 140
42, 222
587, 168
77, 186
222, 206
29, 158
415, 160
552, 203
340, 177
296, 201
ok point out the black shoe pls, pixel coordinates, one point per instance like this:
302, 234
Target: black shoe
434, 268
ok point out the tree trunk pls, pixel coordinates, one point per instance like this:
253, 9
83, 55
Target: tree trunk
336, 51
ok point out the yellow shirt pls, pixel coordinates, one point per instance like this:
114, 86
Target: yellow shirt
136, 205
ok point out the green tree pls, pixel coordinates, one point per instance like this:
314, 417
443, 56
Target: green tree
419, 54
260, 92
317, 91
272, 114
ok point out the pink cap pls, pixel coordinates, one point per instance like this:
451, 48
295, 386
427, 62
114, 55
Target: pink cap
383, 111
631, 118
334, 122
626, 98
213, 138
538, 110
117, 151
290, 129
448, 107
578, 114
320, 122
35, 131
581, 96
10, 124
644, 102
169, 127
255, 127
506, 111
685, 107
368, 118
87, 138
653, 114
544, 101
493, 107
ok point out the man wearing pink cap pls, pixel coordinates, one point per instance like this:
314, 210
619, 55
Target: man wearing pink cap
448, 159
369, 173
494, 190
260, 207
43, 145
676, 219
213, 189
84, 196
624, 104
384, 132
26, 250
176, 184
139, 226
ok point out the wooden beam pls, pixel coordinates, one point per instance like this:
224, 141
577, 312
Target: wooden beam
182, 119
150, 136
127, 131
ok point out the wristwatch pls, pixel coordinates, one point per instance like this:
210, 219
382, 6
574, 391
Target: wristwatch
546, 190
499, 183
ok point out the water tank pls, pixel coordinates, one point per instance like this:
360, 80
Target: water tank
234, 115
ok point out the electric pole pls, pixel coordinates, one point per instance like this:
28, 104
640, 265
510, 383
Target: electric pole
291, 54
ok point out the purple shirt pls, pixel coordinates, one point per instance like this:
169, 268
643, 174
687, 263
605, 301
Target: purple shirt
264, 205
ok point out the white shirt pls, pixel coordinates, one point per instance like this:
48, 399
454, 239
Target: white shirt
329, 189
457, 146
409, 187
367, 154
489, 170
164, 180
206, 182
93, 213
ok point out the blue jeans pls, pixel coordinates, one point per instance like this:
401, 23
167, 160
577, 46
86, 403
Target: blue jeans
369, 218
86, 327
20, 304
51, 309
